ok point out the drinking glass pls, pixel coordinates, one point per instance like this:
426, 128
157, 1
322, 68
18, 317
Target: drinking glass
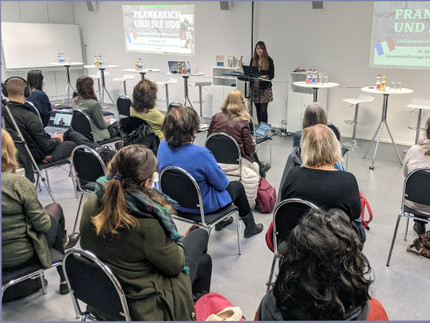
325, 79
393, 86
399, 86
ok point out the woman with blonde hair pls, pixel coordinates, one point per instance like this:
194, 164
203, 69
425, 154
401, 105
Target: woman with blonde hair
128, 225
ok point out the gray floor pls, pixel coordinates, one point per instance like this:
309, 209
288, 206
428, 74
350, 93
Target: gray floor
402, 288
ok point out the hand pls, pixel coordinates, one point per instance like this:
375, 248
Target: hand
264, 76
59, 136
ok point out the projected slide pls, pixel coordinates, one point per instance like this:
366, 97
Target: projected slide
401, 35
159, 29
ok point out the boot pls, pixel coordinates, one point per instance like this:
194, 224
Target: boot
251, 227
264, 167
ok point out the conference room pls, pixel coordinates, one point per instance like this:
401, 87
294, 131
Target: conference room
119, 43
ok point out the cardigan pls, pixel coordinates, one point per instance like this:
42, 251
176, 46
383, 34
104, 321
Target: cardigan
94, 111
153, 117
200, 163
270, 72
416, 158
148, 264
42, 103
24, 222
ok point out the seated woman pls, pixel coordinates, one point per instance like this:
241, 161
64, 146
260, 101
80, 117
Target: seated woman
323, 275
28, 229
38, 97
86, 100
143, 107
127, 224
314, 114
180, 128
418, 156
319, 182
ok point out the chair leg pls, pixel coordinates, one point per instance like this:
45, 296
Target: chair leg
269, 282
394, 239
407, 227
42, 280
238, 233
346, 161
72, 177
77, 213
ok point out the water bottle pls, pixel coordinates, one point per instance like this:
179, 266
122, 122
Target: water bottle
317, 79
63, 60
136, 64
308, 76
96, 63
139, 64
59, 57
383, 82
188, 67
100, 61
378, 82
179, 68
314, 77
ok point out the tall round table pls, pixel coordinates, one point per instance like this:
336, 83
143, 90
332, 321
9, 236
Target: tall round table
386, 93
185, 77
315, 87
69, 85
142, 72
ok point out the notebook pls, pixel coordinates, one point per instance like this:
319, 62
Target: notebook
251, 71
263, 129
59, 121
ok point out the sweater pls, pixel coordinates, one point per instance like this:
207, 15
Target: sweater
94, 111
153, 117
200, 163
24, 222
148, 264
42, 103
270, 72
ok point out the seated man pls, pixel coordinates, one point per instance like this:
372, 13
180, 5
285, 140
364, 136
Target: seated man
42, 146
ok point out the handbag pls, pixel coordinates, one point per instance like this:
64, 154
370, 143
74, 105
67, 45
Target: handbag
266, 197
421, 244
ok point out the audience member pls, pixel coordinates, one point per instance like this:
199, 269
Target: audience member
86, 100
180, 128
314, 114
418, 156
28, 229
319, 182
323, 276
127, 224
143, 107
37, 96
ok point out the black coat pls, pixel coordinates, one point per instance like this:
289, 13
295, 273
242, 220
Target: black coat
270, 72
137, 131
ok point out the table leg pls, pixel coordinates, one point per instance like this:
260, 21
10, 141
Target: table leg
315, 90
201, 102
103, 90
142, 75
68, 86
394, 144
167, 96
417, 136
185, 77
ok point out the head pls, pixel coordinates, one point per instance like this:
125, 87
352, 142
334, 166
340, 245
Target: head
319, 146
144, 95
8, 152
323, 271
235, 105
427, 153
260, 52
85, 88
16, 89
180, 126
314, 114
130, 170
35, 79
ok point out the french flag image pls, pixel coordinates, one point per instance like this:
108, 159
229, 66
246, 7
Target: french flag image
131, 36
385, 47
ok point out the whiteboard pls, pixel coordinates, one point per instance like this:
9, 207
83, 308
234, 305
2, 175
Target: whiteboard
30, 45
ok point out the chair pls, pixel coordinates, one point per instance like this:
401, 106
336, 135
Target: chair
92, 282
356, 101
123, 103
286, 216
261, 141
225, 150
33, 271
419, 104
124, 79
182, 187
82, 124
344, 149
88, 166
416, 188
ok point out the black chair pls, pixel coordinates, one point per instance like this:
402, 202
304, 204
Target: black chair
288, 213
82, 124
123, 104
88, 166
33, 271
92, 282
344, 149
225, 150
416, 188
182, 187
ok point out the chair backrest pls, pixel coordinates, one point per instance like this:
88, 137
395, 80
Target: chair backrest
93, 283
335, 129
286, 216
224, 148
123, 103
87, 165
416, 187
31, 104
81, 123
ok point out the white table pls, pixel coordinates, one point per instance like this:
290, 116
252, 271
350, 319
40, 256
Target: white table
166, 84
102, 76
142, 72
386, 93
69, 85
315, 87
185, 77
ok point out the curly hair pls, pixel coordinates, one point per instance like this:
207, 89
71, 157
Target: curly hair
144, 95
323, 272
85, 88
235, 105
35, 79
180, 126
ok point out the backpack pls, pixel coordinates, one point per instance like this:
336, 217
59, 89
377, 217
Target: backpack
365, 205
266, 197
137, 131
215, 307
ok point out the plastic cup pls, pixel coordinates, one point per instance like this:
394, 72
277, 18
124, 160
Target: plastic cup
393, 86
399, 86
325, 79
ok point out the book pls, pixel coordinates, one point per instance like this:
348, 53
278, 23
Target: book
220, 60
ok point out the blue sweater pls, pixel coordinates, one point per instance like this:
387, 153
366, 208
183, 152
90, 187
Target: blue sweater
42, 103
201, 164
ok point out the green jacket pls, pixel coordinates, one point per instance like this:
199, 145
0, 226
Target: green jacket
148, 265
94, 110
24, 222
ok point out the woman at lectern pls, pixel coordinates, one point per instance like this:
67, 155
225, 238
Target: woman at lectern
261, 91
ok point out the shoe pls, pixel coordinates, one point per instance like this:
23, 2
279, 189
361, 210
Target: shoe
71, 240
251, 228
420, 227
224, 223
264, 168
64, 289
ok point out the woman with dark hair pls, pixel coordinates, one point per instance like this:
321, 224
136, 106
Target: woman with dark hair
128, 225
323, 275
86, 100
314, 114
261, 91
38, 97
180, 128
143, 107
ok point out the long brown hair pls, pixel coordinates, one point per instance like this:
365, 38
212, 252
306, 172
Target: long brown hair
84, 86
264, 63
235, 105
134, 164
8, 152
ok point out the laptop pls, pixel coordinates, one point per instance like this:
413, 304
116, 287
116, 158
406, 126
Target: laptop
263, 129
59, 122
251, 71
173, 66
